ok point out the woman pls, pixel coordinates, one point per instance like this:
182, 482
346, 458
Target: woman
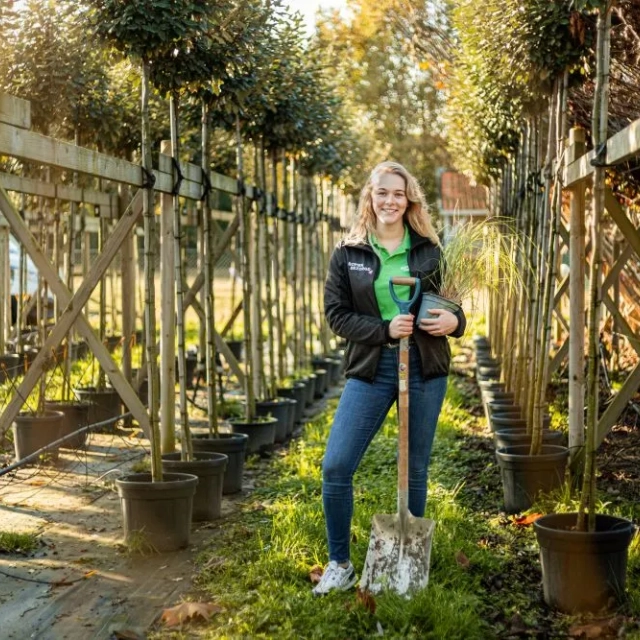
392, 236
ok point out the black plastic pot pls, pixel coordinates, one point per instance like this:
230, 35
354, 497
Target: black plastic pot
430, 301
32, 432
112, 343
512, 437
524, 476
486, 359
191, 365
76, 416
158, 512
299, 394
498, 395
235, 346
500, 421
495, 406
234, 446
310, 384
105, 404
481, 342
581, 570
281, 411
335, 367
331, 366
81, 349
262, 433
293, 406
485, 372
209, 468
10, 366
491, 385
321, 383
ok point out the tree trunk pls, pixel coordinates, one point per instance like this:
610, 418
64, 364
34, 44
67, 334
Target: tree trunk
599, 135
149, 277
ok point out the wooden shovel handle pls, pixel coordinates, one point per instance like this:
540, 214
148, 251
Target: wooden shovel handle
403, 280
403, 430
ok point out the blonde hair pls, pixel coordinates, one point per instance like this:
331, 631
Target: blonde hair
417, 215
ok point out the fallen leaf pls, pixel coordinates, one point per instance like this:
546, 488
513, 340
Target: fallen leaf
597, 628
525, 521
175, 616
315, 574
592, 630
366, 599
462, 560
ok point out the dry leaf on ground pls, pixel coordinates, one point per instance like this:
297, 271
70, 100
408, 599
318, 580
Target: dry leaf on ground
315, 574
462, 560
184, 611
366, 600
525, 521
604, 628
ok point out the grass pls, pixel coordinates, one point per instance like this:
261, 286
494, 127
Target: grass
13, 542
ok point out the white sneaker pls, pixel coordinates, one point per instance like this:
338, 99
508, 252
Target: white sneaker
335, 578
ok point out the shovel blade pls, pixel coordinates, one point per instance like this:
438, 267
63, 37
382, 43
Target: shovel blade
398, 560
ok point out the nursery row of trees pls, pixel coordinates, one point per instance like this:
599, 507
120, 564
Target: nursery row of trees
519, 79
234, 71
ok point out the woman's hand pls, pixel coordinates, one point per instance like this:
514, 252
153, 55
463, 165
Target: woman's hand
443, 325
401, 326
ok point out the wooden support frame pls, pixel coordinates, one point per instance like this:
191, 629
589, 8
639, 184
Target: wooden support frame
622, 145
618, 404
615, 210
108, 202
73, 305
18, 141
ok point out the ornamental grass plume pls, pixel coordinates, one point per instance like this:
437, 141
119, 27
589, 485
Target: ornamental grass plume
476, 256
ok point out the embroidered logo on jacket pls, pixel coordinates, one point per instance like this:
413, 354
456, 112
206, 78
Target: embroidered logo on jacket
357, 266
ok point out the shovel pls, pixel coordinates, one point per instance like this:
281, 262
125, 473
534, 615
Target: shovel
400, 544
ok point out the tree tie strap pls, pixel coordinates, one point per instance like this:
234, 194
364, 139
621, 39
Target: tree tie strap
206, 185
148, 178
600, 159
179, 177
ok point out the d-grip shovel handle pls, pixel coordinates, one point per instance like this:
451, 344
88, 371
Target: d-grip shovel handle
403, 402
404, 305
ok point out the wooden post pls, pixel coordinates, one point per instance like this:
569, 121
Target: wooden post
128, 298
577, 232
167, 319
5, 286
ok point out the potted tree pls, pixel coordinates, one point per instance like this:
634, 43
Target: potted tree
251, 28
155, 505
584, 554
37, 426
75, 411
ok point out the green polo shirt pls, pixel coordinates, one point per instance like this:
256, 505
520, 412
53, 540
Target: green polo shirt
391, 265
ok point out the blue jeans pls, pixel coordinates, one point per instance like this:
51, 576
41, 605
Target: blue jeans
360, 414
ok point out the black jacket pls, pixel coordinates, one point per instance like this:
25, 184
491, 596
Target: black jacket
352, 312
